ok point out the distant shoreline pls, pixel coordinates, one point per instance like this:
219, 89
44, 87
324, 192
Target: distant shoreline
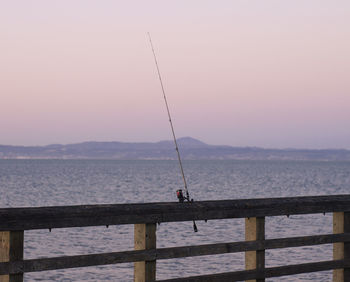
190, 148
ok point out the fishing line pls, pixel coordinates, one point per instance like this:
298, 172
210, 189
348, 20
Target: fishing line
178, 192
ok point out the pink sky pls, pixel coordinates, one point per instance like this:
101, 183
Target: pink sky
242, 73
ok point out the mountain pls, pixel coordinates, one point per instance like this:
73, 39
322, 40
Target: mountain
190, 148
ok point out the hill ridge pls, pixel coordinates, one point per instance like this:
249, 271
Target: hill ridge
190, 148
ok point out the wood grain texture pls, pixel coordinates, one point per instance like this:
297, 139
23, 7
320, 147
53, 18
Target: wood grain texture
15, 220
255, 231
145, 239
338, 248
4, 251
11, 250
95, 215
266, 273
346, 245
34, 265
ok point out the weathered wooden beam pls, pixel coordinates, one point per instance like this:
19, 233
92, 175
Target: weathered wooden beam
4, 251
255, 231
11, 250
338, 248
95, 215
145, 239
266, 273
341, 250
44, 264
347, 245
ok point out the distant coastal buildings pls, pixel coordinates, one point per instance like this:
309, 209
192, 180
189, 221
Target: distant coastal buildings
191, 149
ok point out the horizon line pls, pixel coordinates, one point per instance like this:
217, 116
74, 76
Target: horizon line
184, 137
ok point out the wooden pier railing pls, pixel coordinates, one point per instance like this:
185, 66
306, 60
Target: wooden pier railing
14, 221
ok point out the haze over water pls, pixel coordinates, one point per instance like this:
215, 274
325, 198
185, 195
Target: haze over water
272, 74
74, 182
268, 73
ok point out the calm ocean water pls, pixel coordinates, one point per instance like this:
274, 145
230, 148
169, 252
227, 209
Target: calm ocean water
73, 182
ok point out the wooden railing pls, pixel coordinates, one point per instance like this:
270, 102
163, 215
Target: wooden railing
13, 222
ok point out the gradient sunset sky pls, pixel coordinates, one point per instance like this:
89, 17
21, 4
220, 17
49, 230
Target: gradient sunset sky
273, 74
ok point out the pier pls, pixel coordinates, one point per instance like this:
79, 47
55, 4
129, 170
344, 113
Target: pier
144, 217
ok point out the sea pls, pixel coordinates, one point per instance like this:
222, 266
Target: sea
35, 183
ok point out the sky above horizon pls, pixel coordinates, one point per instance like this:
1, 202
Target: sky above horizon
271, 74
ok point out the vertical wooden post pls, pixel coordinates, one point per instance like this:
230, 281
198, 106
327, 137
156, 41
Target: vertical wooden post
11, 249
338, 248
145, 239
347, 245
341, 224
255, 230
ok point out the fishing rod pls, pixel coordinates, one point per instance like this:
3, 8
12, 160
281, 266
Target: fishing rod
179, 192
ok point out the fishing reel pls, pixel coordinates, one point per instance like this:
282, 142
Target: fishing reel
180, 196
179, 192
181, 199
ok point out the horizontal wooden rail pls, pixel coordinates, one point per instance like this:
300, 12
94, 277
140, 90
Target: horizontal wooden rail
12, 219
44, 264
266, 273
13, 222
